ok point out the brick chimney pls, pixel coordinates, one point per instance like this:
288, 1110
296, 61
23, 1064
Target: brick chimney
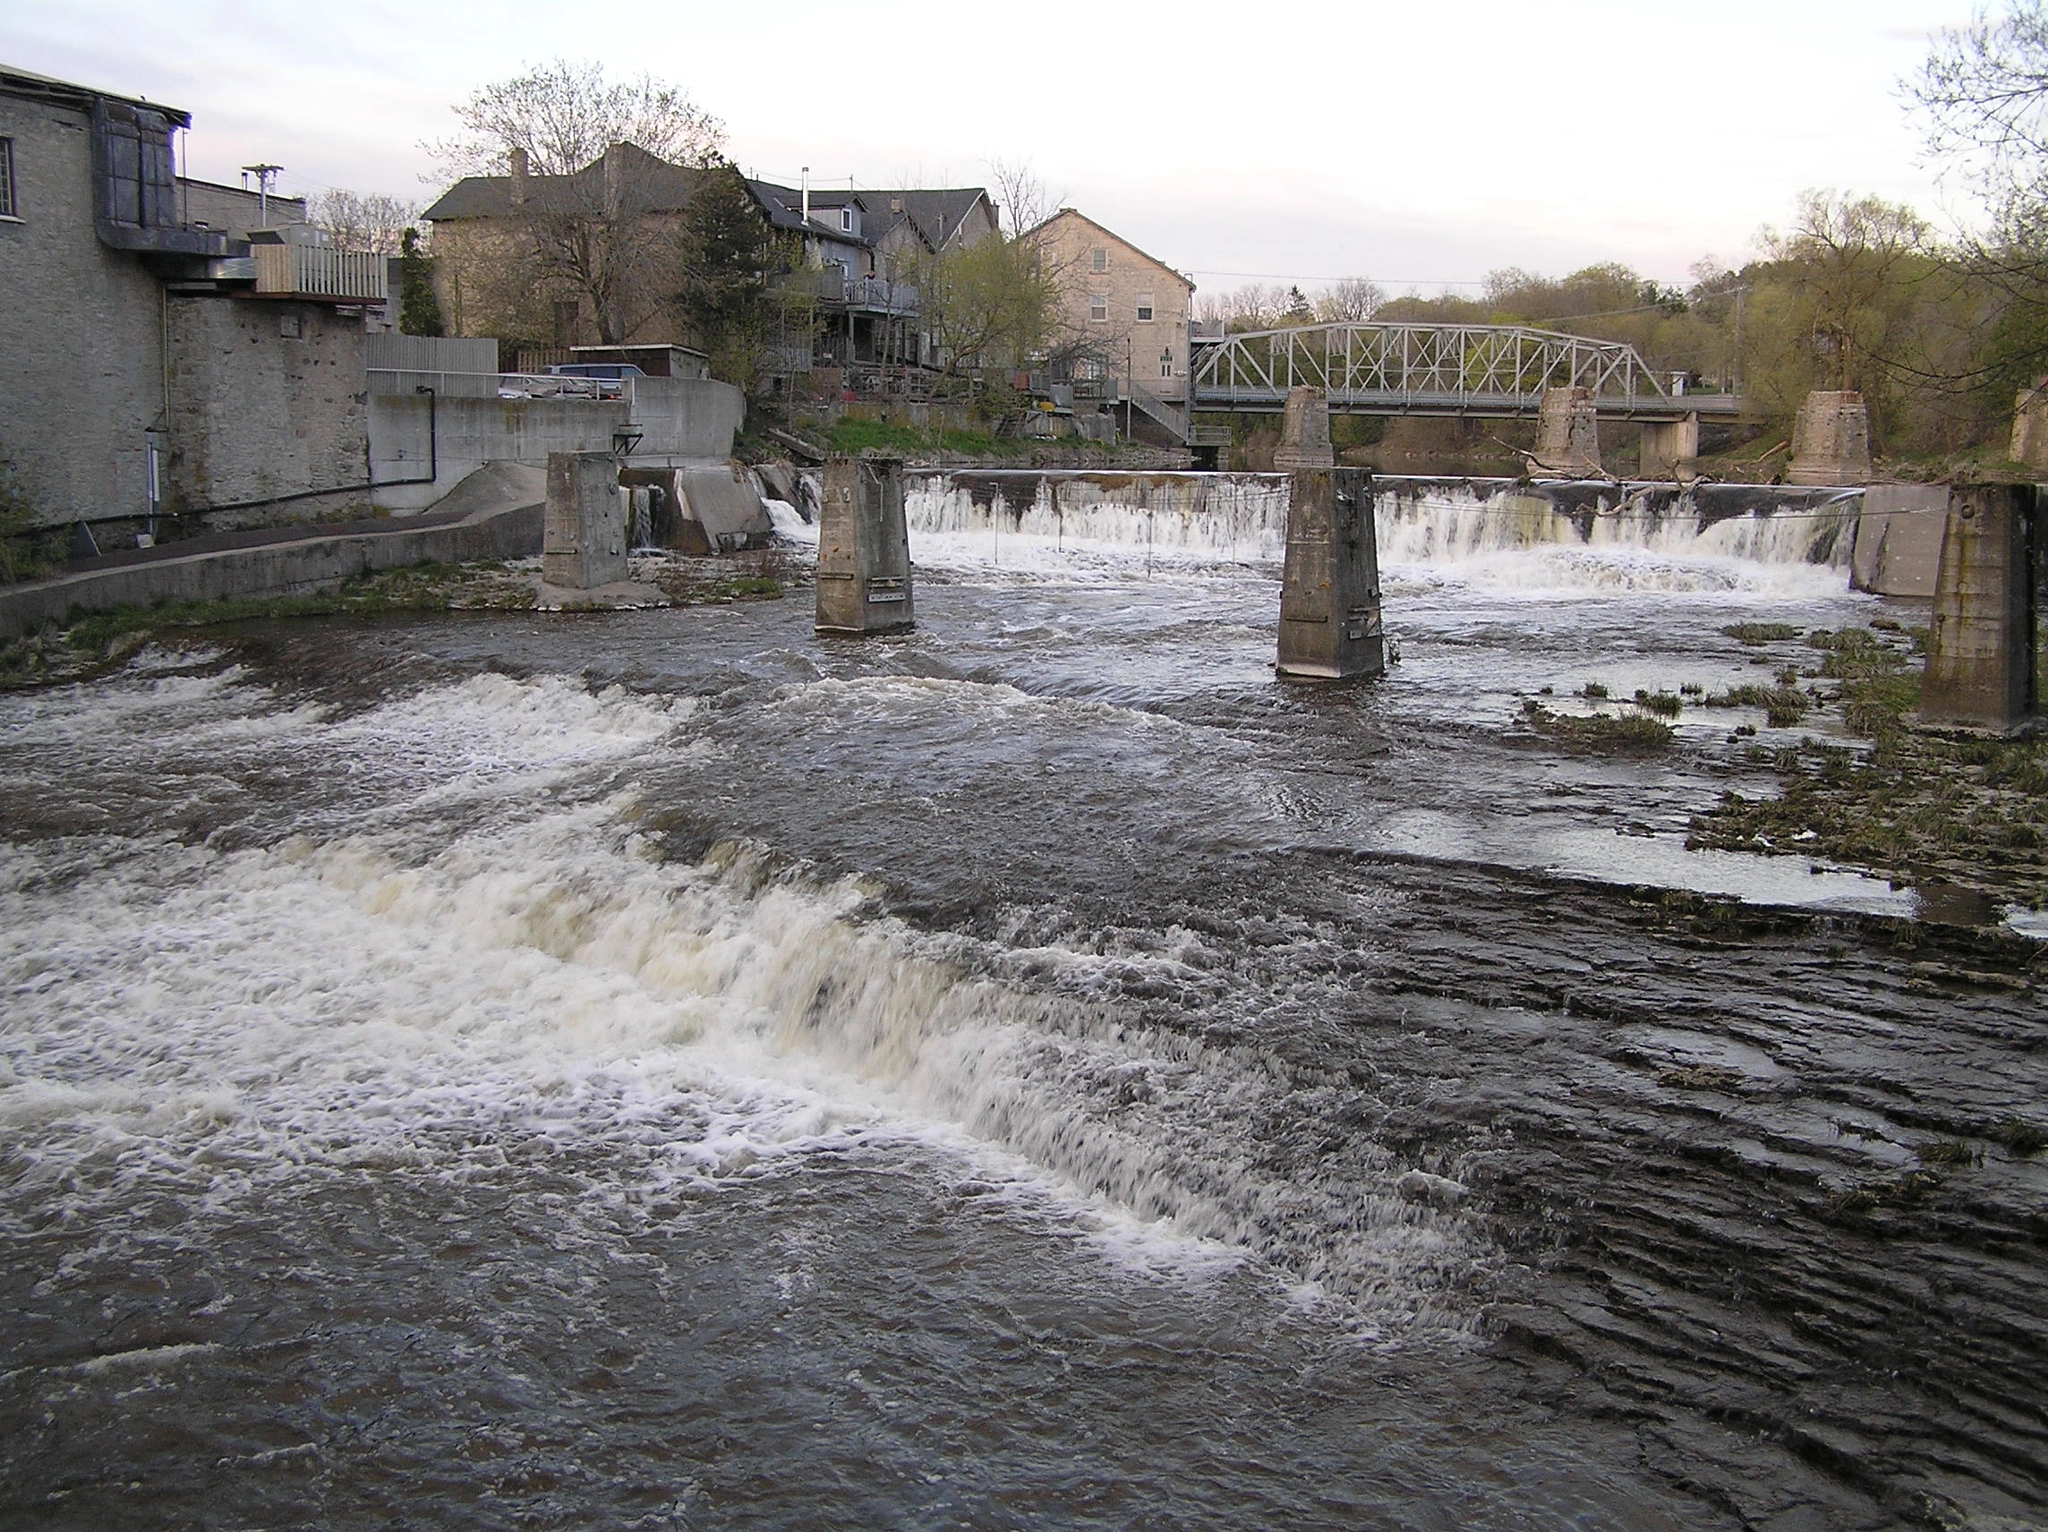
518, 161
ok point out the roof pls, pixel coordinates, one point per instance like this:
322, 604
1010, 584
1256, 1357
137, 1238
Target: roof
1067, 212
936, 214
784, 207
24, 82
649, 184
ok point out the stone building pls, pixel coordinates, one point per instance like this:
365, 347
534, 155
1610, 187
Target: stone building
1123, 324
553, 262
587, 258
159, 365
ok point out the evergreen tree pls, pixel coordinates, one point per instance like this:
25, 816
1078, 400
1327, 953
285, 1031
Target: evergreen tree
727, 250
419, 310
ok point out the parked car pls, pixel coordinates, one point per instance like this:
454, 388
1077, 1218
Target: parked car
596, 370
573, 380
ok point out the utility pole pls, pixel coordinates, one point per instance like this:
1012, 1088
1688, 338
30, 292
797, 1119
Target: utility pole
265, 175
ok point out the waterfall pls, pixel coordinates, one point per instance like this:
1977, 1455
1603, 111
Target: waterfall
1547, 533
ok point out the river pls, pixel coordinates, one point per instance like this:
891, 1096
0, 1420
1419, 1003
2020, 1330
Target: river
660, 1069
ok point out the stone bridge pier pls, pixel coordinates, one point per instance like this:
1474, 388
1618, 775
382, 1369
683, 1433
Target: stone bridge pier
1830, 439
1330, 623
583, 530
863, 548
1568, 431
1668, 446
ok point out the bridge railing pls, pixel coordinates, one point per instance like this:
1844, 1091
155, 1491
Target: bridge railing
1493, 366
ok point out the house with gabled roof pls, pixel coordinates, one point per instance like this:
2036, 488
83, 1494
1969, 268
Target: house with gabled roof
604, 234
1123, 319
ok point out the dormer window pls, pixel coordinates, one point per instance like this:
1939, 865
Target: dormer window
846, 220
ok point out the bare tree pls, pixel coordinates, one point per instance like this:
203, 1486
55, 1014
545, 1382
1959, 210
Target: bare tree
1354, 300
1022, 196
1253, 306
565, 115
359, 221
600, 170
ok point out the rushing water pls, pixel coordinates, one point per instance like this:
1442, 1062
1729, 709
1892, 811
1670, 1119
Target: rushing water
660, 1069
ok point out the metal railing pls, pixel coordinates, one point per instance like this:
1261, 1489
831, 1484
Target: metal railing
1475, 369
386, 381
834, 286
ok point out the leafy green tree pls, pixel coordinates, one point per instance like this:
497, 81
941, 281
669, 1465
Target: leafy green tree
1983, 94
989, 304
419, 308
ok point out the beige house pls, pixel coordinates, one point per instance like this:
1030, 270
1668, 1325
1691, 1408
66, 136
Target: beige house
1124, 314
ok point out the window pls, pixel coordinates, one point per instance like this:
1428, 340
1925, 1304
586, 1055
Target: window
8, 207
1098, 259
846, 220
1144, 308
1166, 363
1098, 306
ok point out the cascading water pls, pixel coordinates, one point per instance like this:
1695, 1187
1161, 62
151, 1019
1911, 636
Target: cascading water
1563, 534
669, 1069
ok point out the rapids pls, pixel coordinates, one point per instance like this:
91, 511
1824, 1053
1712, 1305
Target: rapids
660, 1069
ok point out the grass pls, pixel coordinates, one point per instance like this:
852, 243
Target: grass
852, 436
1754, 633
1912, 806
89, 643
1663, 704
1784, 706
1601, 733
2021, 1137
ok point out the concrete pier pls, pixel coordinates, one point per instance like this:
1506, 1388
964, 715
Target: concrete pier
1982, 650
1330, 625
1305, 432
1830, 440
583, 538
1568, 432
1668, 447
2030, 428
863, 548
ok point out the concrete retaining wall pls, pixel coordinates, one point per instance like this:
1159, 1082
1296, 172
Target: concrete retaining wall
507, 525
676, 417
1898, 539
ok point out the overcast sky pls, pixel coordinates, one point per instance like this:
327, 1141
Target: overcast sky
1416, 143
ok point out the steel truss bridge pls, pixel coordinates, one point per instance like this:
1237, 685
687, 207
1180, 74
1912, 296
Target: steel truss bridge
1484, 370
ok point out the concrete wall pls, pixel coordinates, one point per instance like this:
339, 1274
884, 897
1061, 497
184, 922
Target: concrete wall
678, 418
81, 350
232, 209
505, 529
400, 364
1898, 539
266, 399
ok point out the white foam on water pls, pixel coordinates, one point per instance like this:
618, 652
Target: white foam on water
789, 522
1035, 526
218, 1019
